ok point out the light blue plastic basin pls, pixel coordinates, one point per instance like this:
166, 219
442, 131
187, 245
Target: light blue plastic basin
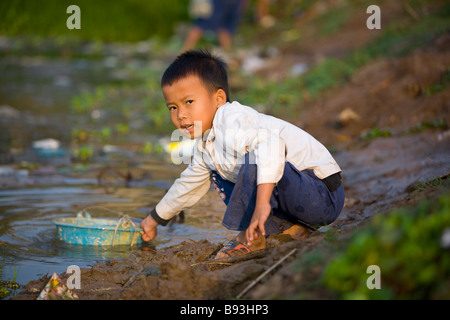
84, 230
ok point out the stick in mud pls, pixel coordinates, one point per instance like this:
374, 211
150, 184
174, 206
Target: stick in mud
251, 285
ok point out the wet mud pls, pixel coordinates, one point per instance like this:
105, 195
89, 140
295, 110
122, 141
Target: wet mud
186, 270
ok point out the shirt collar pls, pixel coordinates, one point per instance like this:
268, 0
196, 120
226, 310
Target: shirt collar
210, 135
217, 119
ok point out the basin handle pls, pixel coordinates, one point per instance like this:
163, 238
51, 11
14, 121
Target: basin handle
86, 214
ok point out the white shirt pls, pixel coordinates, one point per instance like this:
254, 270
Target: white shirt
236, 130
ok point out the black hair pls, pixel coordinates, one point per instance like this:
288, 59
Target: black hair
210, 69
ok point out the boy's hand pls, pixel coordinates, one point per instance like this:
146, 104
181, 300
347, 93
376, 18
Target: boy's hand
256, 227
261, 213
149, 226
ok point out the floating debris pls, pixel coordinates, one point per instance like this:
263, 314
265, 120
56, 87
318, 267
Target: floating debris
48, 148
55, 289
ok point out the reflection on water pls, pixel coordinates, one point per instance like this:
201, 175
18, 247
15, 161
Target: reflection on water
28, 238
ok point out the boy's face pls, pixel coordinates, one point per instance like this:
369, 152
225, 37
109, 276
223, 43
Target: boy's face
192, 107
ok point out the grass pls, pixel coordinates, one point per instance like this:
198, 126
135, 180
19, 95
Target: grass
283, 99
375, 133
438, 123
5, 285
120, 106
442, 181
331, 21
441, 85
128, 20
134, 20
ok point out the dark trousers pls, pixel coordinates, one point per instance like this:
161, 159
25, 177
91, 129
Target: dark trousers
298, 198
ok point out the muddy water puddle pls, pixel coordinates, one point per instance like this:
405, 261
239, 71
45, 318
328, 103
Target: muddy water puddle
29, 244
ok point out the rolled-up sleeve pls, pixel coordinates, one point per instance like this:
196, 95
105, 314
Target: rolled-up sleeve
250, 131
270, 156
192, 184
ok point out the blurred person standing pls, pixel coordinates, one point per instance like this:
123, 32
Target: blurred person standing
219, 16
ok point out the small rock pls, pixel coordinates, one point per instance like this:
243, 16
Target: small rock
46, 144
298, 69
445, 239
444, 135
347, 116
62, 81
6, 171
350, 202
253, 64
8, 112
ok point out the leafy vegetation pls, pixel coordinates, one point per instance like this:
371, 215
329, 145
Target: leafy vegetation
441, 85
129, 20
406, 245
442, 181
5, 285
374, 133
114, 112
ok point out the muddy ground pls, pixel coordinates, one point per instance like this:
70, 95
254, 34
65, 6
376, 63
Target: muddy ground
380, 173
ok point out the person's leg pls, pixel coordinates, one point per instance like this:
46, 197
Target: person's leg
227, 19
242, 200
225, 190
225, 39
299, 199
223, 187
301, 195
192, 38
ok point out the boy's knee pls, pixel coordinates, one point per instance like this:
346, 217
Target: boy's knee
338, 204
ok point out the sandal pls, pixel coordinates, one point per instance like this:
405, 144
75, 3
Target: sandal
235, 248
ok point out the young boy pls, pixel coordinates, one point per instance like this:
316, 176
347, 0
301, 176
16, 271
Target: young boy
272, 175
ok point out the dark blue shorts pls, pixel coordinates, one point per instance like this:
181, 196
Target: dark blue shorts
226, 15
298, 198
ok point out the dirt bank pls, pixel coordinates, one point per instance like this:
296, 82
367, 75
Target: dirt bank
175, 273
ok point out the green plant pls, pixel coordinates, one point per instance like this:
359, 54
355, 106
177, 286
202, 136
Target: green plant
16, 273
5, 285
4, 293
374, 133
442, 181
129, 20
332, 20
405, 244
441, 85
424, 125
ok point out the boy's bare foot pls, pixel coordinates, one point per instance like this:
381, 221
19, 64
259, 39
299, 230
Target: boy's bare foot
298, 232
238, 246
